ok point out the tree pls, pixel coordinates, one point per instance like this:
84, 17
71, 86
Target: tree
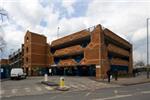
139, 64
3, 13
2, 41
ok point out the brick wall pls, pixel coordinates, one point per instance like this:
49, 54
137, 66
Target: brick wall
35, 51
98, 50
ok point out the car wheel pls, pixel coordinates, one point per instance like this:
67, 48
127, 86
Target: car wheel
19, 77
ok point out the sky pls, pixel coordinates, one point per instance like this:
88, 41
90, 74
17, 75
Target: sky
127, 18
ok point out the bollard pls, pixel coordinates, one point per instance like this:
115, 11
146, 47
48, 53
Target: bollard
45, 78
62, 86
62, 82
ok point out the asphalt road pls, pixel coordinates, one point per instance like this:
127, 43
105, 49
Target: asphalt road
134, 92
33, 86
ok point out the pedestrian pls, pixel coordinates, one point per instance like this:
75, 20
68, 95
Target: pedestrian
134, 73
108, 75
116, 74
50, 72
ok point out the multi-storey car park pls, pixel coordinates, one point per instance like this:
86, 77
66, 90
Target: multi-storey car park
91, 52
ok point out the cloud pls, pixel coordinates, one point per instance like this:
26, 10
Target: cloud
68, 5
21, 19
24, 15
140, 34
126, 18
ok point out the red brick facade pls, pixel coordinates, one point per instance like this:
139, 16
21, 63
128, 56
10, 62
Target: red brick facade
101, 45
4, 61
36, 52
96, 47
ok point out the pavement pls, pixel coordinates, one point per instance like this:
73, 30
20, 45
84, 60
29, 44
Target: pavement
132, 92
139, 79
132, 81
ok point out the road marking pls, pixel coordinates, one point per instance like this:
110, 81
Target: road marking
79, 87
49, 88
14, 91
2, 92
145, 92
38, 88
122, 91
27, 89
88, 94
115, 97
74, 86
82, 87
138, 89
116, 91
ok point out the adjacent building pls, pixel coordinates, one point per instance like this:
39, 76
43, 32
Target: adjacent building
4, 68
36, 54
4, 61
16, 58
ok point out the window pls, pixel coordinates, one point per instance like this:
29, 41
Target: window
27, 39
26, 59
27, 49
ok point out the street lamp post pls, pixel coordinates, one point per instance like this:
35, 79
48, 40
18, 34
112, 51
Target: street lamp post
148, 47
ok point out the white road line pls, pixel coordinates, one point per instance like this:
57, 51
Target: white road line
74, 86
116, 91
2, 92
49, 88
87, 94
79, 87
114, 97
138, 89
27, 89
14, 91
83, 86
38, 88
122, 91
145, 92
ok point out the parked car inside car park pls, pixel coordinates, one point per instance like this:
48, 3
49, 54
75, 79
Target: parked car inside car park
17, 73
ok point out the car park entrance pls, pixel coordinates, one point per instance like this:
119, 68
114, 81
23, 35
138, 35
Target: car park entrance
74, 70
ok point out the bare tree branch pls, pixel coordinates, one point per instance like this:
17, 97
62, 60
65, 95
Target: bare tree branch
3, 13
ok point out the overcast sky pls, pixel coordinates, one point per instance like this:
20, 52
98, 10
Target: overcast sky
127, 18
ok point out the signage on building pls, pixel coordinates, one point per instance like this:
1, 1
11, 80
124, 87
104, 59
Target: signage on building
98, 66
2, 70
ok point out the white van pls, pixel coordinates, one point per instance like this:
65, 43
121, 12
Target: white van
17, 73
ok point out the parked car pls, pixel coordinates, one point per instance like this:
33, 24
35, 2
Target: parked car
17, 73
